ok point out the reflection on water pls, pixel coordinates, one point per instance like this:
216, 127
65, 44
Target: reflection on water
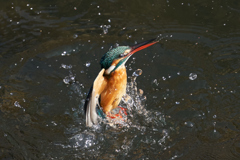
185, 104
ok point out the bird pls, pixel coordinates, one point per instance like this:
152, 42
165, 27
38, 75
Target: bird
110, 85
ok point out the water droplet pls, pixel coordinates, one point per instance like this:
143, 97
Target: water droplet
54, 123
99, 13
165, 132
177, 102
66, 80
66, 66
192, 76
75, 8
137, 73
164, 78
31, 8
105, 28
189, 124
75, 36
27, 4
109, 20
178, 73
88, 64
64, 53
155, 82
214, 116
16, 104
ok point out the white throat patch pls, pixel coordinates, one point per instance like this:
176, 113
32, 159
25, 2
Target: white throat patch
109, 70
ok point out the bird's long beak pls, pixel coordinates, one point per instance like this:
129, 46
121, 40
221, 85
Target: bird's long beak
141, 46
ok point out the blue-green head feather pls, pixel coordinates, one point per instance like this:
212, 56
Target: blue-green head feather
111, 55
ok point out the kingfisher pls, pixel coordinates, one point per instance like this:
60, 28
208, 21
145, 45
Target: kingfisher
110, 84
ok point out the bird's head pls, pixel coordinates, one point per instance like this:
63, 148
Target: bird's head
118, 56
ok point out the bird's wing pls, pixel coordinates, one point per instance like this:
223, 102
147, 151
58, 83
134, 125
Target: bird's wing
92, 99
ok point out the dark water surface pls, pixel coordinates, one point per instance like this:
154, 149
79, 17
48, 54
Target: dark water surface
49, 56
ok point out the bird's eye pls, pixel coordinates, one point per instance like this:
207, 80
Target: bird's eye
121, 55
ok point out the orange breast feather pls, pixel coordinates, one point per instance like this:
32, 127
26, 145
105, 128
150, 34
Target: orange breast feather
114, 90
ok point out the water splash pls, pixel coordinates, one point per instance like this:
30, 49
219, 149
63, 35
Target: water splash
69, 79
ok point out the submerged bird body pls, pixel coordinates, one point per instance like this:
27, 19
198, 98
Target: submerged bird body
110, 84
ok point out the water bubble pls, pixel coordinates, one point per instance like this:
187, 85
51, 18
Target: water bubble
75, 8
164, 78
178, 73
88, 64
31, 8
99, 13
177, 102
192, 76
27, 4
109, 20
214, 116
